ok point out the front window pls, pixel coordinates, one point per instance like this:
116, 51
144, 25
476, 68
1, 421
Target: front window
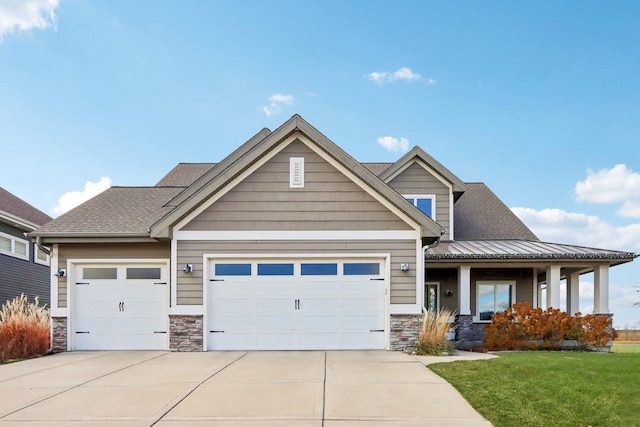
425, 203
431, 302
14, 246
494, 297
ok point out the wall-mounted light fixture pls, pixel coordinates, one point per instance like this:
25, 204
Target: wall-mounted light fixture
404, 267
188, 268
61, 272
449, 292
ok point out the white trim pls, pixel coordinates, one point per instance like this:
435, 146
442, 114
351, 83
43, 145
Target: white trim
53, 280
187, 310
173, 283
47, 257
296, 172
73, 263
512, 283
405, 308
12, 246
416, 197
384, 257
464, 290
298, 235
273, 152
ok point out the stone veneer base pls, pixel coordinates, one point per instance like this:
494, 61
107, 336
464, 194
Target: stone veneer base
185, 333
405, 329
58, 334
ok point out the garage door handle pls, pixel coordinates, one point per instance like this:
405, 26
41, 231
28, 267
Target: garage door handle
216, 332
375, 279
216, 280
159, 332
82, 283
376, 330
82, 332
159, 283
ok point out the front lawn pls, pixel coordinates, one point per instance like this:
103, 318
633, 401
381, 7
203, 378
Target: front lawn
550, 388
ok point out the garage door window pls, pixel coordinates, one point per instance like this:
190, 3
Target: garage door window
319, 269
143, 273
233, 269
361, 268
275, 269
100, 273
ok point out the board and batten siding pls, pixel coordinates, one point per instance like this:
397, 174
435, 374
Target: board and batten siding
328, 201
160, 250
417, 180
403, 284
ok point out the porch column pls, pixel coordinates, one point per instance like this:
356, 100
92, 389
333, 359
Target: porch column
536, 289
601, 289
464, 290
553, 286
573, 293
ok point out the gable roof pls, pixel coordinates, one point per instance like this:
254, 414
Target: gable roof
417, 153
480, 214
255, 149
184, 174
18, 213
376, 168
116, 212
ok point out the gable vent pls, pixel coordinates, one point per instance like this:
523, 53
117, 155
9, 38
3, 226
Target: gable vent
296, 172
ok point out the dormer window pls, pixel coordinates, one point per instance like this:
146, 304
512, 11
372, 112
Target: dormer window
426, 203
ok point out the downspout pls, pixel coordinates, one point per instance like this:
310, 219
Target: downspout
425, 248
43, 248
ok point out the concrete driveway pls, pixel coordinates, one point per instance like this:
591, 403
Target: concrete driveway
314, 388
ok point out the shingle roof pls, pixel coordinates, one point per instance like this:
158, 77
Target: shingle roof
480, 215
184, 174
17, 207
118, 210
520, 250
376, 168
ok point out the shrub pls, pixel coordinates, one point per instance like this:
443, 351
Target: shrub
24, 329
521, 327
432, 339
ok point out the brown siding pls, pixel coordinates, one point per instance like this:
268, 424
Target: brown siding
417, 180
106, 251
328, 201
403, 288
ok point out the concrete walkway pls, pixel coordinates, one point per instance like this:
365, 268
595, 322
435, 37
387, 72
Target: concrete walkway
350, 388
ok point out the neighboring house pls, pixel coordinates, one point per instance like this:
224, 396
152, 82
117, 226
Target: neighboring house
290, 243
24, 268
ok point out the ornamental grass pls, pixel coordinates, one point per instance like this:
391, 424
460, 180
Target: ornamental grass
24, 329
432, 339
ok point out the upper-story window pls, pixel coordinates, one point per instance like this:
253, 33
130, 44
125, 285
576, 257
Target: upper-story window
41, 257
14, 246
426, 203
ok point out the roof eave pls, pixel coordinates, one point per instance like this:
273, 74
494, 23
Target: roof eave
16, 221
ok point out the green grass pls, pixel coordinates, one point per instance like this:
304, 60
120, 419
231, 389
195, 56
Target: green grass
551, 388
626, 348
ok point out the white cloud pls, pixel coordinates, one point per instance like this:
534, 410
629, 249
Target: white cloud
71, 199
556, 225
276, 101
614, 185
24, 15
394, 144
404, 73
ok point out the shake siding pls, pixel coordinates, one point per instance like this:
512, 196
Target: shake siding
417, 180
328, 201
161, 250
403, 288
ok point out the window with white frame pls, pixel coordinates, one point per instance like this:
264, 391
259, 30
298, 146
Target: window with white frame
426, 203
432, 296
494, 297
41, 257
14, 246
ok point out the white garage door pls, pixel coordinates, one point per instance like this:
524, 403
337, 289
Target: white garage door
120, 307
296, 305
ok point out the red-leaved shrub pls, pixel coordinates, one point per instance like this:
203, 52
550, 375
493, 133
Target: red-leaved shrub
24, 329
521, 327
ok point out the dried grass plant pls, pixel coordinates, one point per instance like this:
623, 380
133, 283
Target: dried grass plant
432, 339
24, 329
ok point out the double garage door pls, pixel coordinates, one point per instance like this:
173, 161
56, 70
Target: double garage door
296, 305
120, 307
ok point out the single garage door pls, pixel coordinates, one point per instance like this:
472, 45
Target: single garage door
120, 307
296, 305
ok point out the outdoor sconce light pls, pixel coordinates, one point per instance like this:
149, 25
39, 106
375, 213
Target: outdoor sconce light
404, 267
61, 272
449, 292
188, 268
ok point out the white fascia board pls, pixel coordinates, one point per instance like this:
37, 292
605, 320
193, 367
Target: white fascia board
53, 283
59, 312
405, 309
187, 310
299, 235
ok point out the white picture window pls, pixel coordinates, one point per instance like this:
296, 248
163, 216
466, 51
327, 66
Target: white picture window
426, 203
494, 297
14, 246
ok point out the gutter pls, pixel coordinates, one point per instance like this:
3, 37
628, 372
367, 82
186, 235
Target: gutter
43, 248
425, 248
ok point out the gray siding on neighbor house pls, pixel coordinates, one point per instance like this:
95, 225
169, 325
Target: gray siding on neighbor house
160, 250
328, 201
417, 180
19, 276
403, 284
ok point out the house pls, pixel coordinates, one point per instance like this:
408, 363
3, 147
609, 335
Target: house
290, 243
24, 266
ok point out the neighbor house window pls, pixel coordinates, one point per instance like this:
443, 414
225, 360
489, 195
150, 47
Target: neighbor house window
426, 203
41, 257
14, 246
494, 297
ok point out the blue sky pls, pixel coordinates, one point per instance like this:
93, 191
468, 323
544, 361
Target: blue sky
540, 100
